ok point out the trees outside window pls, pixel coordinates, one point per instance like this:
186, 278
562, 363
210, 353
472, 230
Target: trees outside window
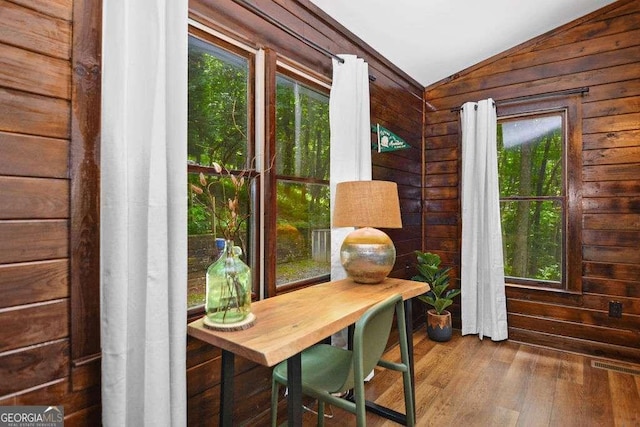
222, 143
218, 134
218, 106
302, 180
535, 154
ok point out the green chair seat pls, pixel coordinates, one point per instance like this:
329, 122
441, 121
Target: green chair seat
329, 371
324, 367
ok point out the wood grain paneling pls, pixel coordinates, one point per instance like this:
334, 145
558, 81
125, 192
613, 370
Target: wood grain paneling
57, 392
33, 114
33, 240
600, 52
610, 155
86, 373
571, 344
30, 30
611, 188
35, 126
48, 321
29, 71
23, 283
32, 366
84, 171
24, 198
622, 287
55, 8
27, 155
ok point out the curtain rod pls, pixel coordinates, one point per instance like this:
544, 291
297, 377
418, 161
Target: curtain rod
580, 90
251, 7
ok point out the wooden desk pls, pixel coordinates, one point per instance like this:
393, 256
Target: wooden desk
289, 323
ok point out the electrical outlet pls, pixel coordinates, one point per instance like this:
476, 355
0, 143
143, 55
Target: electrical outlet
615, 309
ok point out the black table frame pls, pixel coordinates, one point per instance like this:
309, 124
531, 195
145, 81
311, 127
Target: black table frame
294, 374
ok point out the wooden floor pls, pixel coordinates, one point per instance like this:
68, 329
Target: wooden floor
468, 382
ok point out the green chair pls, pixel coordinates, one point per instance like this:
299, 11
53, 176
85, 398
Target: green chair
329, 371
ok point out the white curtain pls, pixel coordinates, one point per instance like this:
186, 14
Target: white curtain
482, 278
349, 121
143, 213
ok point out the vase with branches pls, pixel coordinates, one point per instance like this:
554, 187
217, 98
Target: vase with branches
228, 279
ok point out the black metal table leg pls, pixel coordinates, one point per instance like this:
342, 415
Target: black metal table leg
226, 388
294, 398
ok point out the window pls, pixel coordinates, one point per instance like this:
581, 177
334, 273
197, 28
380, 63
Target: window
218, 133
536, 151
224, 112
302, 181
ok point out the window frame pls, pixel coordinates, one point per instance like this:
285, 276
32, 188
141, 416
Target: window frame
209, 36
570, 106
264, 65
306, 77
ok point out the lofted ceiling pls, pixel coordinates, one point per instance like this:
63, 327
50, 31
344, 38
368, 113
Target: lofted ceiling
433, 39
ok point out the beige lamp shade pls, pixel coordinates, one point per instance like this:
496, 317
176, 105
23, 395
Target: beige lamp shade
367, 204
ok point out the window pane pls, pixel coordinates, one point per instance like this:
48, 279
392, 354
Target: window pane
218, 93
303, 240
218, 89
530, 169
530, 156
532, 239
302, 131
302, 174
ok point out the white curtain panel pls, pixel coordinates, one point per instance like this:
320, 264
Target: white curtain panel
349, 121
143, 213
350, 124
482, 278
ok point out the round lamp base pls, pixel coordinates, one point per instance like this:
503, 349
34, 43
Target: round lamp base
367, 255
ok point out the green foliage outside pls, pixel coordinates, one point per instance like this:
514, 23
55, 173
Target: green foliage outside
302, 170
217, 112
530, 158
218, 131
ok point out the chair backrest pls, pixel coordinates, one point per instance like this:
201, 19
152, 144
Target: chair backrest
370, 336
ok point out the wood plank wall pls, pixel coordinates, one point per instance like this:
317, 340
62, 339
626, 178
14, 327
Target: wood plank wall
396, 103
39, 128
602, 52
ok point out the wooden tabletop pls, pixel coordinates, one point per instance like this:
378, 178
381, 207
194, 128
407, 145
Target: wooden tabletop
289, 323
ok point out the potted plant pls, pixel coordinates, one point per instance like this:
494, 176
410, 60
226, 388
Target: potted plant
439, 297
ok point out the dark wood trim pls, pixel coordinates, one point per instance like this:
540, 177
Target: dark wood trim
84, 170
270, 190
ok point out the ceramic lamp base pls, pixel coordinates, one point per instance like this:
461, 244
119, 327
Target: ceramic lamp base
367, 255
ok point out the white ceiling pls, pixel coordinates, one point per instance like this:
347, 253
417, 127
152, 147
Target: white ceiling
433, 39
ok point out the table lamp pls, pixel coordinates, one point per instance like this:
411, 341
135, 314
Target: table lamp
367, 254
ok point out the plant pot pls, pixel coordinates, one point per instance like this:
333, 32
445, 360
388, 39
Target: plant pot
439, 325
